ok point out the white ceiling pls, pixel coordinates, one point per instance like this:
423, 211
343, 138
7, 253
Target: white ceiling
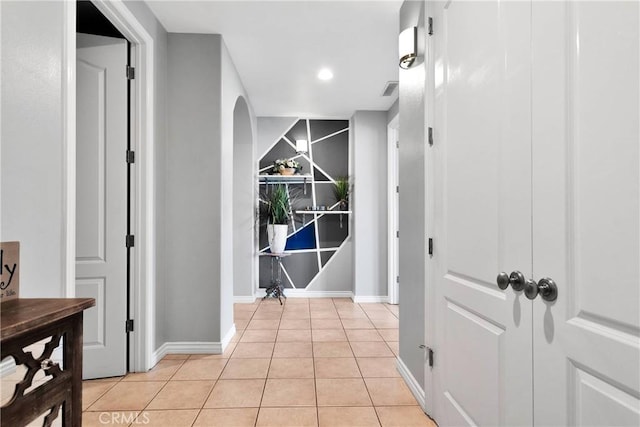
278, 48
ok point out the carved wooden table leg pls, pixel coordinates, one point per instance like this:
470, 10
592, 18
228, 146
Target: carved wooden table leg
73, 358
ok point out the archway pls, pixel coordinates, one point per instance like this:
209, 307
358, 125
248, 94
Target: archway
243, 203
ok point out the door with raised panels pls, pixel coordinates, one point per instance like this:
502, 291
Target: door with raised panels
101, 201
586, 216
536, 170
482, 171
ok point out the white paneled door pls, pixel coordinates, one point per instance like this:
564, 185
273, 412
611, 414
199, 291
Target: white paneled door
586, 216
101, 201
536, 171
482, 213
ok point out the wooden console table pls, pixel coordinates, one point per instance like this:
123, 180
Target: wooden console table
26, 321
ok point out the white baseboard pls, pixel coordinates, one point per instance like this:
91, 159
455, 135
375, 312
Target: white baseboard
244, 299
227, 338
158, 354
364, 299
303, 293
414, 386
186, 347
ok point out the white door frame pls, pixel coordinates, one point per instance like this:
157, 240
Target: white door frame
142, 207
392, 209
430, 194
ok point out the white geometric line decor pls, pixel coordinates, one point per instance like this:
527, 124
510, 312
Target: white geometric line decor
314, 237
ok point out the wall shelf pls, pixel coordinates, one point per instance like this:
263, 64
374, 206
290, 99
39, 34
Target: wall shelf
323, 212
284, 179
304, 212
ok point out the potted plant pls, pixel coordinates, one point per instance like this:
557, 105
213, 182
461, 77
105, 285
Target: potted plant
286, 166
275, 209
341, 192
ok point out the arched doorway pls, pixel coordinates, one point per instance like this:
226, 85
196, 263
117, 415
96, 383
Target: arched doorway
243, 203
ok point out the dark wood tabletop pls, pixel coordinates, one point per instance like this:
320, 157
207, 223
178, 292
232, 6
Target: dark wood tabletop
22, 314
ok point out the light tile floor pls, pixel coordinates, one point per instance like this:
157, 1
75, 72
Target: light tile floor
309, 362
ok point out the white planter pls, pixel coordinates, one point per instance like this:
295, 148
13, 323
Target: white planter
277, 235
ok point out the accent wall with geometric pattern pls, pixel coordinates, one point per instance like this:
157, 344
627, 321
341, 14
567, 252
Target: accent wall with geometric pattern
315, 237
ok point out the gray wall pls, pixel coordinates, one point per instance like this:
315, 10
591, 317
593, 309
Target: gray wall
369, 145
32, 164
412, 253
336, 275
203, 90
270, 130
193, 211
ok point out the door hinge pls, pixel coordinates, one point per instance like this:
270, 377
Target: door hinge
130, 241
430, 26
398, 234
397, 144
131, 156
430, 136
131, 73
430, 353
397, 279
397, 189
128, 325
430, 247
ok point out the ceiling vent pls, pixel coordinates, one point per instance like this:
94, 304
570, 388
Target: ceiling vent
389, 88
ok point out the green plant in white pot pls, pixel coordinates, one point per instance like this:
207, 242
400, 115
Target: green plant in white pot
275, 209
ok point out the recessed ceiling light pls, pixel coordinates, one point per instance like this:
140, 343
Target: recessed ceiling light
325, 74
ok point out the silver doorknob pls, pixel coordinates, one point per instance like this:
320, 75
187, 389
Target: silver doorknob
546, 287
503, 280
516, 279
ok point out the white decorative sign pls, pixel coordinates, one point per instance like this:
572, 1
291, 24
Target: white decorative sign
9, 270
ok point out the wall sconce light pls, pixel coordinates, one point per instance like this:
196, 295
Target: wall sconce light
301, 146
408, 47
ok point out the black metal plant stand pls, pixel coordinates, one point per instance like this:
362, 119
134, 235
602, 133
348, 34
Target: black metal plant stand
276, 289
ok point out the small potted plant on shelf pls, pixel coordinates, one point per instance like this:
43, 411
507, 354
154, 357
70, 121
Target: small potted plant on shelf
275, 210
341, 191
286, 166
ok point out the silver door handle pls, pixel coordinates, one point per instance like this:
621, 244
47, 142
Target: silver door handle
546, 287
516, 279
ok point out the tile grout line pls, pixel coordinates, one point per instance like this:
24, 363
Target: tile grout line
151, 400
222, 371
162, 388
362, 376
387, 345
200, 410
313, 361
264, 386
270, 362
365, 383
101, 395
